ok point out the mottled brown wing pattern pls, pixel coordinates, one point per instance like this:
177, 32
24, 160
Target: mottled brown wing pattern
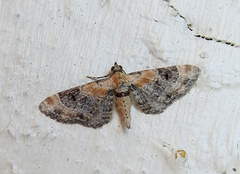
89, 105
154, 90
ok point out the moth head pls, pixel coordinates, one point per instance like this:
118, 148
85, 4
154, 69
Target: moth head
116, 68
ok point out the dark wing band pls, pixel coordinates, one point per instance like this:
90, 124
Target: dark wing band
89, 105
156, 89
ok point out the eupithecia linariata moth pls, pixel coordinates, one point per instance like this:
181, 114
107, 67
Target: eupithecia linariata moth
91, 104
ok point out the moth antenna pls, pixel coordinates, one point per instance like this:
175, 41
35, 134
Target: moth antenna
97, 78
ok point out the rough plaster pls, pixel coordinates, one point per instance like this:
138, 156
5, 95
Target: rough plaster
49, 46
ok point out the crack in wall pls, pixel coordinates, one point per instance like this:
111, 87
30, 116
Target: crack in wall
189, 26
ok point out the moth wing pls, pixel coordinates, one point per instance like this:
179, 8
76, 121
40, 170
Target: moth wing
89, 105
156, 89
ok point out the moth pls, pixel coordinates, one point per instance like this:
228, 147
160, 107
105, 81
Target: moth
91, 104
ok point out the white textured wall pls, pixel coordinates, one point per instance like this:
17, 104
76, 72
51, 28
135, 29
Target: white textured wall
50, 46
